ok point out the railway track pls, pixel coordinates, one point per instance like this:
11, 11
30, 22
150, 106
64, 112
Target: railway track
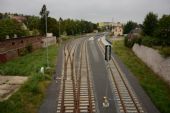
76, 91
125, 97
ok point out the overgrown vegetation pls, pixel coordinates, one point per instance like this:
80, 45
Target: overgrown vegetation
155, 87
165, 51
31, 94
156, 32
9, 27
150, 41
35, 25
130, 42
150, 24
28, 63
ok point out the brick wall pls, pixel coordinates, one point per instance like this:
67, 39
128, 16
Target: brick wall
49, 41
12, 48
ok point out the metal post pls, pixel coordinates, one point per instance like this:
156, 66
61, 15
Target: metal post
59, 27
59, 33
46, 37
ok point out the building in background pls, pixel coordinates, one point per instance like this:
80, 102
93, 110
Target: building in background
19, 19
105, 25
117, 29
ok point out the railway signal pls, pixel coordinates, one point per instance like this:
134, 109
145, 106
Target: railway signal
107, 58
108, 52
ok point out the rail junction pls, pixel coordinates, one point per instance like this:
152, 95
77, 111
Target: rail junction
88, 84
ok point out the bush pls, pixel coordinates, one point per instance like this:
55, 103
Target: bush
165, 51
35, 78
163, 30
150, 23
151, 41
10, 27
129, 42
129, 26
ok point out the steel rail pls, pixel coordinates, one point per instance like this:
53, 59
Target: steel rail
125, 84
88, 82
67, 58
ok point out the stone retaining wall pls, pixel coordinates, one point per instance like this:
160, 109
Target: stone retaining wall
154, 60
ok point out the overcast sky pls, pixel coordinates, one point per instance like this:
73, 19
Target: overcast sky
91, 10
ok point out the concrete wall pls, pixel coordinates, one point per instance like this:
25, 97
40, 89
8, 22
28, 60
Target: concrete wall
49, 41
154, 60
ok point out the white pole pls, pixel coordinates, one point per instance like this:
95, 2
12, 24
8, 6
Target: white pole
46, 37
59, 27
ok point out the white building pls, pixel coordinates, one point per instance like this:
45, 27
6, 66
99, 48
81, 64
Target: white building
117, 29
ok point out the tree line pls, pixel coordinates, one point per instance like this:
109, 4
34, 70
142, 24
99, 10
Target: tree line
155, 31
36, 25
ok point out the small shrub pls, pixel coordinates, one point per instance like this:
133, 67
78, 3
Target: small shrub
34, 81
34, 86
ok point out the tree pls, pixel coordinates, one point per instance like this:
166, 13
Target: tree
150, 24
53, 26
43, 14
60, 21
10, 27
33, 22
130, 25
163, 30
44, 11
1, 16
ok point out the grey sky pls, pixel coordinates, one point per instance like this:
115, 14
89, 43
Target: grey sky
92, 10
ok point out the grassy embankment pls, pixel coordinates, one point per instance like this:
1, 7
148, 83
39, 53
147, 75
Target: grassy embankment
30, 95
156, 88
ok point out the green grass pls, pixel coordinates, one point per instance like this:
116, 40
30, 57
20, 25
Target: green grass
32, 62
155, 87
30, 95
